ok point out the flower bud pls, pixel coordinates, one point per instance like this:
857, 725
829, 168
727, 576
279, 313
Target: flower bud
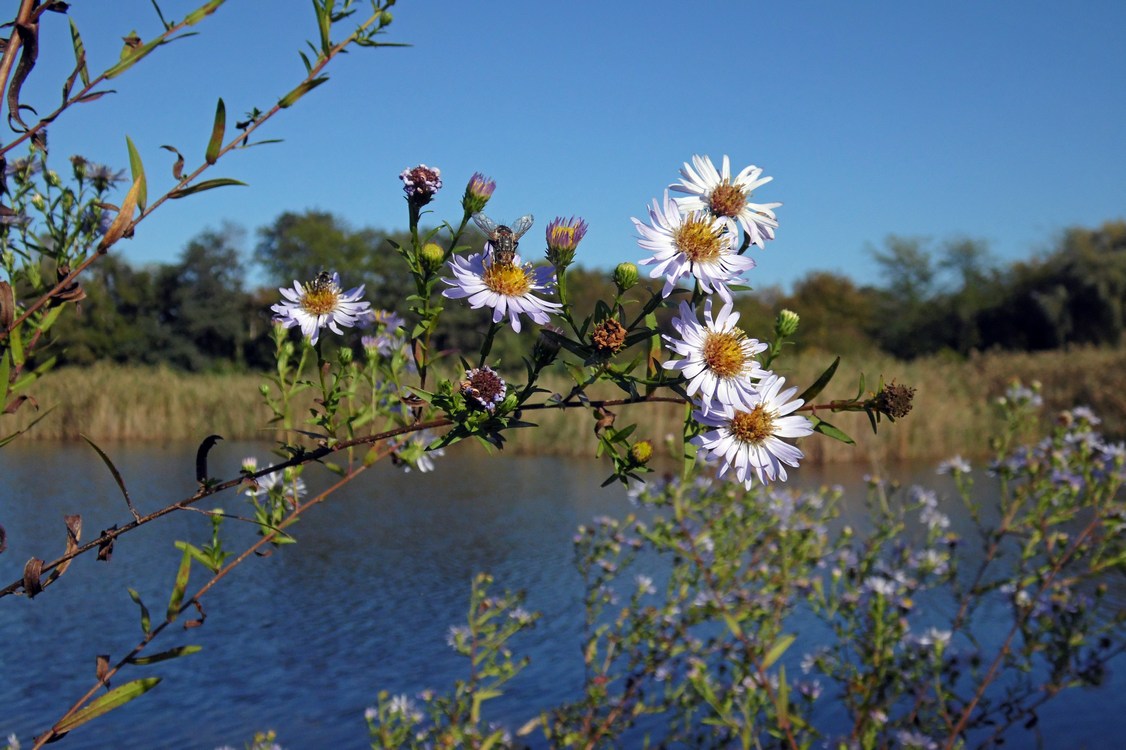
79, 164
786, 324
640, 452
431, 256
52, 178
563, 238
477, 193
625, 276
546, 348
346, 356
38, 201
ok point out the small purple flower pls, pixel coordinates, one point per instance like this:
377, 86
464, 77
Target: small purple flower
421, 183
485, 386
477, 193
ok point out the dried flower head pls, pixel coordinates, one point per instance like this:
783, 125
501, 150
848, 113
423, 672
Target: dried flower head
895, 400
485, 386
421, 183
609, 336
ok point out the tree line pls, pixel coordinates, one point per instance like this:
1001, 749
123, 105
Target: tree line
199, 313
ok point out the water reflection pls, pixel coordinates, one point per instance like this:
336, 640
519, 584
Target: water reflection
301, 641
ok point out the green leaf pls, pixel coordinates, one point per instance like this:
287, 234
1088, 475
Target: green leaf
79, 54
172, 653
202, 12
112, 469
819, 385
113, 699
177, 597
131, 56
15, 342
146, 621
775, 652
828, 430
199, 187
303, 88
138, 170
217, 131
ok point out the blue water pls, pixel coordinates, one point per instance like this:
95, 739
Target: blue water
302, 641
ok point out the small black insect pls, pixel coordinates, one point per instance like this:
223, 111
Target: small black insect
505, 239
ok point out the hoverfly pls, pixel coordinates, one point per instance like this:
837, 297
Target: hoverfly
504, 239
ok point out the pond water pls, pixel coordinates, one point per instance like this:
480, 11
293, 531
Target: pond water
302, 641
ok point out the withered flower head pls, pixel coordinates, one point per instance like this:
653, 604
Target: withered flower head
895, 400
609, 336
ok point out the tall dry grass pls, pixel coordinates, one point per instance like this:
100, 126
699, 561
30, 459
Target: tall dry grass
952, 414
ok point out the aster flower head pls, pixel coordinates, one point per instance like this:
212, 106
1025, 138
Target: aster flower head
484, 386
506, 287
421, 183
563, 238
318, 304
477, 193
749, 441
717, 193
719, 362
694, 244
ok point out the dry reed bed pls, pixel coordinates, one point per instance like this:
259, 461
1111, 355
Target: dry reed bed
952, 414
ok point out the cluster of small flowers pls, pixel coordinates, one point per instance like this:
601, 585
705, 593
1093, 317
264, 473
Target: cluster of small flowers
745, 405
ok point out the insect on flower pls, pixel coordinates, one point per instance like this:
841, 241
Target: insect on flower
505, 239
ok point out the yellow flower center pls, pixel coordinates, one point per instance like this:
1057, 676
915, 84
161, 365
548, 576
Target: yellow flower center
697, 240
754, 426
727, 200
723, 352
320, 299
562, 236
508, 279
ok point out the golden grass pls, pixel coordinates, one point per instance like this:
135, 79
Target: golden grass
953, 405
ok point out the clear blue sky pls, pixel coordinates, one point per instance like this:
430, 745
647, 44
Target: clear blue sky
1004, 121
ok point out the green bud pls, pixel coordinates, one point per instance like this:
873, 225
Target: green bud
38, 201
641, 451
346, 356
431, 256
52, 178
786, 324
625, 276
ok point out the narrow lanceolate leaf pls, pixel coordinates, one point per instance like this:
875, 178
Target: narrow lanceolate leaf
146, 621
79, 54
138, 170
304, 88
811, 392
113, 471
181, 586
172, 653
217, 131
776, 650
113, 699
199, 187
132, 53
202, 12
828, 430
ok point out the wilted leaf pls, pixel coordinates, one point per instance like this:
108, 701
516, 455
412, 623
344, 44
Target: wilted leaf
116, 477
31, 571
217, 130
105, 547
178, 167
3, 539
201, 456
146, 620
113, 699
73, 534
123, 221
304, 88
172, 653
102, 667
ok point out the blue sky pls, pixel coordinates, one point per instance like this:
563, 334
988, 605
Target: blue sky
1003, 121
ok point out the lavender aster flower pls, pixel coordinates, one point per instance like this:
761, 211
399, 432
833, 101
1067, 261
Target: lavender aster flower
506, 287
563, 238
720, 195
319, 304
477, 193
695, 244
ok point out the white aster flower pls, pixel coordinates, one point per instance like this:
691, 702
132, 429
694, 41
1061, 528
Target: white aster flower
749, 441
695, 244
288, 482
718, 359
720, 195
319, 304
506, 287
